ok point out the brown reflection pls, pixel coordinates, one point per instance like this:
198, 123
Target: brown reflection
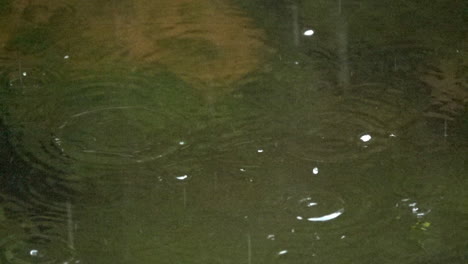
449, 89
209, 44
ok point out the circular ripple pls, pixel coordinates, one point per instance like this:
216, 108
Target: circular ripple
118, 134
38, 249
36, 231
111, 118
315, 207
339, 133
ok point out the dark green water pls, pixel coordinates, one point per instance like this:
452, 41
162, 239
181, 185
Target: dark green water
211, 131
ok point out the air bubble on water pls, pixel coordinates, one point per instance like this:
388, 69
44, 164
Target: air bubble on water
34, 252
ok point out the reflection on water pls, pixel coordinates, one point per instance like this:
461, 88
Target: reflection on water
226, 132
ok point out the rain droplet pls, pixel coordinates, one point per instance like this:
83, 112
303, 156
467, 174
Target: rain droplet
34, 252
66, 57
260, 150
315, 170
24, 74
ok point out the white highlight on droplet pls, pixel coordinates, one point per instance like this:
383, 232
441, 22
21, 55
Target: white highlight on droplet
242, 169
66, 57
33, 252
271, 237
365, 138
315, 170
260, 150
282, 252
308, 32
182, 143
24, 74
183, 177
326, 217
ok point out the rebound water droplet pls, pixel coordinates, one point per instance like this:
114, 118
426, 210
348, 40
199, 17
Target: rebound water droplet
308, 32
182, 178
315, 170
365, 138
282, 252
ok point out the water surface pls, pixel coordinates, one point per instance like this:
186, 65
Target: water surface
233, 132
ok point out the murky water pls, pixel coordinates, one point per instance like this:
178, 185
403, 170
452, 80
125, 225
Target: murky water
233, 132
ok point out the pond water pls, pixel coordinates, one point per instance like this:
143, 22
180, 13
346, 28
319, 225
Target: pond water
233, 131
